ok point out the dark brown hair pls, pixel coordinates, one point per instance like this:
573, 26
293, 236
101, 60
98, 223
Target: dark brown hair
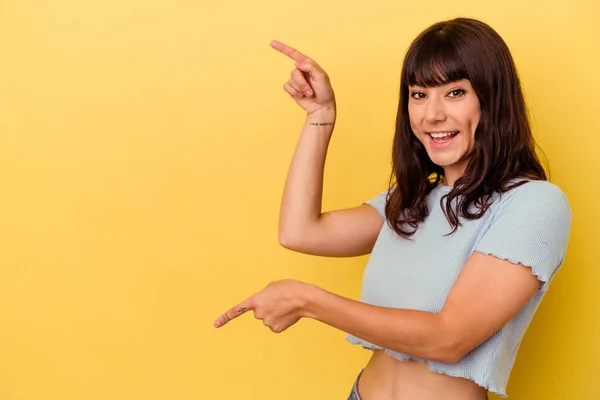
448, 51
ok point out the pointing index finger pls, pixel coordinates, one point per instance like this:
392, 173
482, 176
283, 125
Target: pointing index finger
231, 314
288, 51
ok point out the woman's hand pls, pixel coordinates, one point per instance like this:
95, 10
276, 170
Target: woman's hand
280, 305
309, 85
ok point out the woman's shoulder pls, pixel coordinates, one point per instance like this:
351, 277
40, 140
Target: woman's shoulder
534, 196
533, 187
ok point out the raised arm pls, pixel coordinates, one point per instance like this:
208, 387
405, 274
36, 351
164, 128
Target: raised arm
303, 227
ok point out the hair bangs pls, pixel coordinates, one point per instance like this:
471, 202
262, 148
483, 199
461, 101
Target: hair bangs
434, 62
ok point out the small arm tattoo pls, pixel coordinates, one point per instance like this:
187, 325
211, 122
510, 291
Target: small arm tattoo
321, 123
242, 310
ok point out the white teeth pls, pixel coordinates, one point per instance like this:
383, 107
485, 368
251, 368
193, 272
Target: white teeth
438, 135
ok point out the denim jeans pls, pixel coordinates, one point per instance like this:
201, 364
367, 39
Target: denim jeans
354, 394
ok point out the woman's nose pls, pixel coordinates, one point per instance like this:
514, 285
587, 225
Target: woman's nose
435, 111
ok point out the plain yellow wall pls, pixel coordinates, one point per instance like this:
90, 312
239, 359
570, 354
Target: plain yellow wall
143, 151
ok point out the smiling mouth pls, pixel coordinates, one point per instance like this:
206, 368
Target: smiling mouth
443, 137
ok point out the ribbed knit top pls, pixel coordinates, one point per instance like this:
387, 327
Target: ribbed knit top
529, 225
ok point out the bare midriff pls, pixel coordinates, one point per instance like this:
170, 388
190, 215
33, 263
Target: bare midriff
386, 378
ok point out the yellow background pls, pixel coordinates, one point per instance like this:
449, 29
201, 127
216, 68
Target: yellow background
143, 151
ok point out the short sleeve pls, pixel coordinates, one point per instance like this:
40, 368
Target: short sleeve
530, 225
378, 203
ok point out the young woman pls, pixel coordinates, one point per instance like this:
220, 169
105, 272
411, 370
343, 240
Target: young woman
463, 245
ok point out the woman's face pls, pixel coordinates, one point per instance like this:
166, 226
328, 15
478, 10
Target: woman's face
444, 119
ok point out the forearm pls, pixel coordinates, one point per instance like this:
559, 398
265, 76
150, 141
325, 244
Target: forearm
417, 333
303, 191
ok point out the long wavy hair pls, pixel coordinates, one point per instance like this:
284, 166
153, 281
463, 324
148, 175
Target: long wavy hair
504, 149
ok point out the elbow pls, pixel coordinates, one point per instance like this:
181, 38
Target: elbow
437, 353
449, 356
448, 341
288, 240
296, 238
445, 355
448, 349
285, 241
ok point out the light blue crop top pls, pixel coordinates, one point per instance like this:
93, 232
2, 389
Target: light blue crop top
529, 225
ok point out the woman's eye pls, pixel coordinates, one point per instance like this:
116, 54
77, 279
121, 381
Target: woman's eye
417, 95
456, 93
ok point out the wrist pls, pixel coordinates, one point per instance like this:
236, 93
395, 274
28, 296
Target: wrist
310, 298
324, 115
